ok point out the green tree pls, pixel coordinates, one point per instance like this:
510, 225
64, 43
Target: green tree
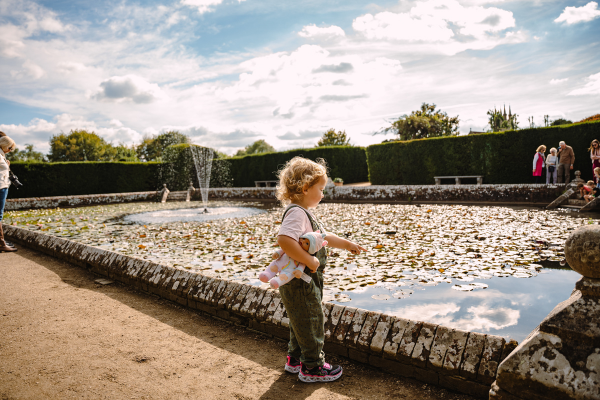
424, 123
124, 153
499, 121
260, 146
333, 138
151, 148
561, 121
27, 155
79, 145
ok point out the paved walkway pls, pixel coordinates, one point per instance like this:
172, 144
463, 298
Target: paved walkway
63, 336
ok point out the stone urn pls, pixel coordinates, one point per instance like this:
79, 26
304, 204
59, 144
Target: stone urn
560, 359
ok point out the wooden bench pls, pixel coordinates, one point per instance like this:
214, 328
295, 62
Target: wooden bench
265, 183
438, 179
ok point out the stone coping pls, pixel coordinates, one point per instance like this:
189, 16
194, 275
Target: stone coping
521, 194
461, 361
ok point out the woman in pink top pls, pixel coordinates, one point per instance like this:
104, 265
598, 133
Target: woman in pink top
595, 156
538, 163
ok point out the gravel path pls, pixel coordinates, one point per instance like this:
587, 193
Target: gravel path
63, 336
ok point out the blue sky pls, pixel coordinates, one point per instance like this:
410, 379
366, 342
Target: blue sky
229, 72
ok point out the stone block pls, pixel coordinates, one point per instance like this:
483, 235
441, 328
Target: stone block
226, 296
390, 347
343, 325
239, 299
381, 333
255, 304
490, 359
326, 310
335, 348
509, 347
426, 375
250, 298
224, 314
272, 307
218, 293
409, 341
368, 330
278, 314
392, 366
454, 354
462, 385
264, 304
194, 291
227, 299
441, 342
212, 297
332, 320
192, 284
278, 331
422, 349
285, 322
355, 327
358, 355
208, 286
472, 355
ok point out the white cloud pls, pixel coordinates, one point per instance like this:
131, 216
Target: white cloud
128, 87
591, 88
574, 15
558, 81
315, 32
446, 24
204, 6
69, 67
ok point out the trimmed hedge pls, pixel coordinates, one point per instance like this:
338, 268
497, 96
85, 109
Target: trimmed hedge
75, 178
346, 162
503, 157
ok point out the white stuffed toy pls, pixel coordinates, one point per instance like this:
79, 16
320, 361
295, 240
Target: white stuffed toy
288, 268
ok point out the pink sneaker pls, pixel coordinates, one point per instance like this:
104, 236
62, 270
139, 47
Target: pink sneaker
293, 365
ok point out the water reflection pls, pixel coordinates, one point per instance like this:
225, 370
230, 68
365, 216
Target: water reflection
510, 307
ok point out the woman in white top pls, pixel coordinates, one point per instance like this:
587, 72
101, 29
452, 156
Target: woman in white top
6, 146
551, 166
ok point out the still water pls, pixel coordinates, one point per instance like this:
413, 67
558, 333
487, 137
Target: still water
510, 307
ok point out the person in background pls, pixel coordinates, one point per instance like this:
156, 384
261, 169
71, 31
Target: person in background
589, 188
565, 164
538, 163
6, 146
551, 166
595, 156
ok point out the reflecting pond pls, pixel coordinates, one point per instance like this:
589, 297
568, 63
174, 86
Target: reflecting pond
486, 269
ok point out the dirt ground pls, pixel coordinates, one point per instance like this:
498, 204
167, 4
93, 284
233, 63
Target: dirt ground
63, 336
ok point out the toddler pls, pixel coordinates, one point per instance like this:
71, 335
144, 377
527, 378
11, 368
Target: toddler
589, 191
288, 268
300, 188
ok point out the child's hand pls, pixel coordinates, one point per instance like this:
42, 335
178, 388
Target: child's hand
355, 249
314, 264
275, 255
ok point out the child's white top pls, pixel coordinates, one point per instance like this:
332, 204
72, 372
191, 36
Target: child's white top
295, 223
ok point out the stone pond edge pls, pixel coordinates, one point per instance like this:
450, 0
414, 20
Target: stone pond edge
461, 361
515, 194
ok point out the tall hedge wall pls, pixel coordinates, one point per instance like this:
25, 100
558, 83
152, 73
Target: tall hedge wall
346, 162
504, 157
73, 178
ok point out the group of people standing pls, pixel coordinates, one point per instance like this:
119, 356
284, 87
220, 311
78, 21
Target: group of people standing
560, 162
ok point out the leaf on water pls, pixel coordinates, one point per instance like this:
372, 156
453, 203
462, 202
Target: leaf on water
381, 297
402, 293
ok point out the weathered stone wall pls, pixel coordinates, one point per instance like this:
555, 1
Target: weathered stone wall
458, 360
77, 201
508, 194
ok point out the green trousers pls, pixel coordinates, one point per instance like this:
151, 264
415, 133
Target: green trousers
302, 302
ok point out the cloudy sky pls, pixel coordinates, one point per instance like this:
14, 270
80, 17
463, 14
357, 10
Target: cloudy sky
229, 72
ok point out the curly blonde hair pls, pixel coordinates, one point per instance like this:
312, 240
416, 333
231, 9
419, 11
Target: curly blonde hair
297, 173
